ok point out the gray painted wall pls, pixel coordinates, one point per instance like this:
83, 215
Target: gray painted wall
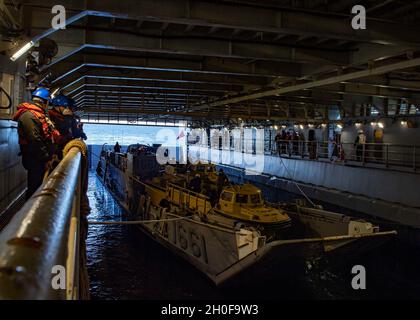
12, 173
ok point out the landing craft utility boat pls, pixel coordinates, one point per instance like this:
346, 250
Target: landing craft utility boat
225, 238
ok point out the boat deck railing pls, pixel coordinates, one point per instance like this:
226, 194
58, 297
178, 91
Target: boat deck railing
189, 199
42, 247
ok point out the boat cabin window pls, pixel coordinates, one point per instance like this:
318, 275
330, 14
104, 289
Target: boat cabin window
242, 198
226, 196
255, 198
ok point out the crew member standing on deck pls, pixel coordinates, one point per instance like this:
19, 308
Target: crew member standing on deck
76, 125
62, 118
222, 180
195, 184
360, 144
36, 137
278, 142
117, 148
78, 132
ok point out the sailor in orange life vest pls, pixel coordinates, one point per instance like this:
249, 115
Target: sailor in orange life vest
36, 137
62, 117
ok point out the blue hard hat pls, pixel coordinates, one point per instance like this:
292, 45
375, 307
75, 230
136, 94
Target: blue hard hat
41, 93
72, 103
60, 101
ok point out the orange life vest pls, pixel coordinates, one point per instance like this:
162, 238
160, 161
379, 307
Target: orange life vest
48, 129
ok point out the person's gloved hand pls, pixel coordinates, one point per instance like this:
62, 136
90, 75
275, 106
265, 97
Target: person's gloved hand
51, 163
55, 158
48, 166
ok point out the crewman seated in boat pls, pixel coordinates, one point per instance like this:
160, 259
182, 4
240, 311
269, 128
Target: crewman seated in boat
195, 184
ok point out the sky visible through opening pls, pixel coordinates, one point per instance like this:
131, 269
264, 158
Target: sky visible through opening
98, 134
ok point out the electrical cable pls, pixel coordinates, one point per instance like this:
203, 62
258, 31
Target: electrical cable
296, 184
8, 98
136, 221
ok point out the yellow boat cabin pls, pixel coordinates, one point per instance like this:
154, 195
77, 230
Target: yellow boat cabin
245, 202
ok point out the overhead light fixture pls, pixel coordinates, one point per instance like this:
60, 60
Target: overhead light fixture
373, 124
54, 93
301, 126
276, 127
381, 125
339, 126
324, 125
357, 124
22, 51
404, 123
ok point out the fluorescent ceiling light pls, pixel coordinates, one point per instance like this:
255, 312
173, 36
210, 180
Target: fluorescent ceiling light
22, 51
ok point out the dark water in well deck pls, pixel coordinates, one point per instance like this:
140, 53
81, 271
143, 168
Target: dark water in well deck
123, 263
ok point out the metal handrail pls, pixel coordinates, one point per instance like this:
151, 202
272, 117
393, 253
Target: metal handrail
386, 154
45, 234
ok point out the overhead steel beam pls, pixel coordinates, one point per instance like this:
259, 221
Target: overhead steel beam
158, 106
204, 65
134, 99
340, 5
244, 17
361, 89
380, 5
164, 101
90, 108
109, 40
199, 72
389, 82
138, 94
132, 111
133, 77
83, 88
150, 84
317, 83
188, 98
161, 75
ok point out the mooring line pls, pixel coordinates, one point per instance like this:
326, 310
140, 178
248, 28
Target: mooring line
135, 221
